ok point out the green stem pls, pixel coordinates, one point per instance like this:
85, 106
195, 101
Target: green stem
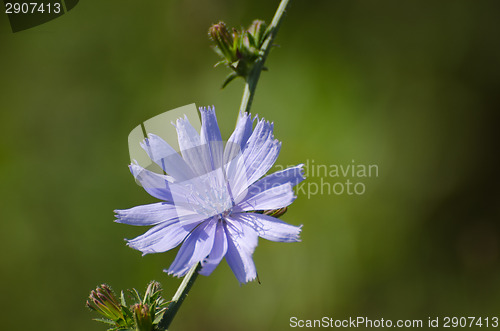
179, 297
253, 77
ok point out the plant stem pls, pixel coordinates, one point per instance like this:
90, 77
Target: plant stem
179, 297
253, 77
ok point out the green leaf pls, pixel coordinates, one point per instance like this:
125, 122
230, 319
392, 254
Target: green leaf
229, 79
127, 313
158, 318
251, 40
105, 320
265, 35
136, 295
122, 299
218, 51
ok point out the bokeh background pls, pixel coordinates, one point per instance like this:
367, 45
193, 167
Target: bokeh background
411, 86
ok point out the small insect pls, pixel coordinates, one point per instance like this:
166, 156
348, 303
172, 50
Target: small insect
275, 212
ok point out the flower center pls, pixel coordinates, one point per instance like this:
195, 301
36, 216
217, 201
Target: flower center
213, 201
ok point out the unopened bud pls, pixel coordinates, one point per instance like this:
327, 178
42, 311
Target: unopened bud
258, 32
142, 317
153, 288
224, 41
240, 49
103, 301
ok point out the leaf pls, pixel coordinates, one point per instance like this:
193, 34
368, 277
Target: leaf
135, 294
251, 40
229, 79
105, 320
218, 51
219, 63
122, 299
127, 313
265, 35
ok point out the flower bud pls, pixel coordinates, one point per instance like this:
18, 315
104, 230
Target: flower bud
224, 41
103, 301
257, 33
142, 317
240, 49
152, 289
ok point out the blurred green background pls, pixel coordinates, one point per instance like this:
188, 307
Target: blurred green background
411, 86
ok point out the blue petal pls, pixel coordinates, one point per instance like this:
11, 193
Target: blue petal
236, 143
195, 248
196, 154
272, 198
156, 185
151, 214
210, 136
258, 157
167, 158
166, 235
242, 241
161, 186
269, 227
293, 175
218, 251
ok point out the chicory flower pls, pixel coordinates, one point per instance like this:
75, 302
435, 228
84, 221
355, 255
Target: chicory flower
210, 193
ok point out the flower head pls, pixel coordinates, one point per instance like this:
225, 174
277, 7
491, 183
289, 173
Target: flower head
209, 194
